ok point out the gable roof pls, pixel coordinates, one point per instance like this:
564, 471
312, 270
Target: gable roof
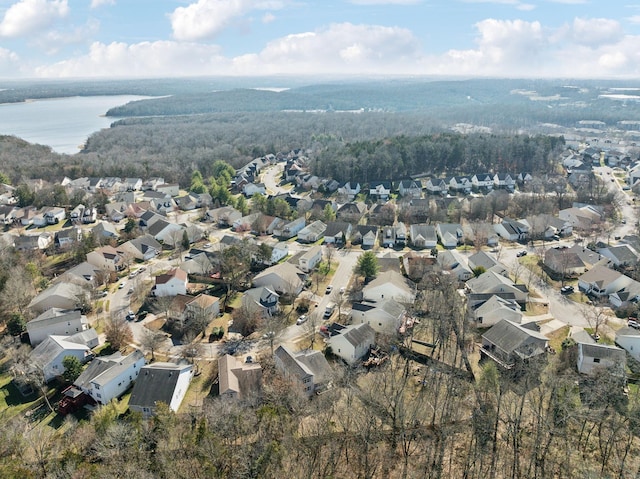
50, 348
156, 383
104, 369
602, 351
174, 273
513, 339
304, 363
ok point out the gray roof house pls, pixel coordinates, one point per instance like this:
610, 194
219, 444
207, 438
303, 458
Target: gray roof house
49, 355
353, 342
160, 383
423, 236
309, 369
507, 342
238, 380
595, 357
56, 321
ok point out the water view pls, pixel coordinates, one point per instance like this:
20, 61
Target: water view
64, 124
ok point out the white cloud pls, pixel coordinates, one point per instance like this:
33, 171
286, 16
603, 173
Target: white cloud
99, 3
339, 49
513, 48
146, 59
207, 18
9, 64
51, 42
635, 19
595, 31
29, 16
268, 18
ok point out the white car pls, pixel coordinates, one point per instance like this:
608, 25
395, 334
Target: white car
122, 285
302, 319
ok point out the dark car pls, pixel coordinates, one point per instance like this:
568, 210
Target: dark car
521, 253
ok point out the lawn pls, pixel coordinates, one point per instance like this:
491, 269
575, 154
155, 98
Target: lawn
12, 402
556, 338
202, 385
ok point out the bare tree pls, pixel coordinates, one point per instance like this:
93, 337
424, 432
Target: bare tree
152, 341
596, 317
117, 333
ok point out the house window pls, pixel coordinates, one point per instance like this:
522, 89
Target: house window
596, 360
97, 386
98, 395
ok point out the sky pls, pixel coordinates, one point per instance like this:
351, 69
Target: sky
185, 38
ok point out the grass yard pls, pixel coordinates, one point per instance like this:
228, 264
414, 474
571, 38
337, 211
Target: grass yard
201, 386
556, 338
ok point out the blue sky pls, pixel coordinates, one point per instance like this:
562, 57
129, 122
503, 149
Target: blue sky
164, 38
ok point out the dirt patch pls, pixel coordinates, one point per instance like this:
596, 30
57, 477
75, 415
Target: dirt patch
156, 324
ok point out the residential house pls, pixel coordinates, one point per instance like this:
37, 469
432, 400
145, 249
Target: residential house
459, 184
187, 202
310, 259
169, 189
251, 189
600, 357
494, 283
582, 217
602, 281
621, 256
388, 236
482, 182
245, 223
390, 285
350, 190
353, 343
524, 177
263, 300
453, 262
313, 232
412, 188
423, 236
161, 202
107, 258
224, 216
496, 309
507, 343
197, 264
68, 237
49, 355
383, 317
60, 295
142, 248
33, 242
165, 232
283, 278
104, 231
115, 211
629, 340
416, 266
56, 322
564, 262
238, 380
133, 184
481, 259
366, 235
401, 234
337, 232
55, 215
291, 229
170, 284
504, 181
449, 234
160, 383
203, 307
380, 190
437, 186
512, 230
108, 377
280, 251
83, 274
148, 218
351, 212
628, 295
309, 369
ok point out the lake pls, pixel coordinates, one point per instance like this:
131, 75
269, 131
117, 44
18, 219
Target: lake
64, 124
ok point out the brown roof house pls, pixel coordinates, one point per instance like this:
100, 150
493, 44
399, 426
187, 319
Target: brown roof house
172, 283
238, 380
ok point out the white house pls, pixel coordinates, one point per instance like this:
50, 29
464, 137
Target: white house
512, 230
61, 295
160, 383
279, 251
423, 236
482, 181
142, 248
496, 309
390, 285
380, 189
108, 377
602, 281
290, 229
283, 278
629, 340
55, 215
313, 232
449, 234
172, 283
353, 342
454, 262
594, 357
49, 355
262, 299
504, 181
350, 190
309, 260
436, 186
384, 317
56, 322
411, 188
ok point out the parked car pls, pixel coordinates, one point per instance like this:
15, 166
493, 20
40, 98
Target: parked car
131, 316
302, 319
521, 253
566, 289
329, 289
633, 323
122, 285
